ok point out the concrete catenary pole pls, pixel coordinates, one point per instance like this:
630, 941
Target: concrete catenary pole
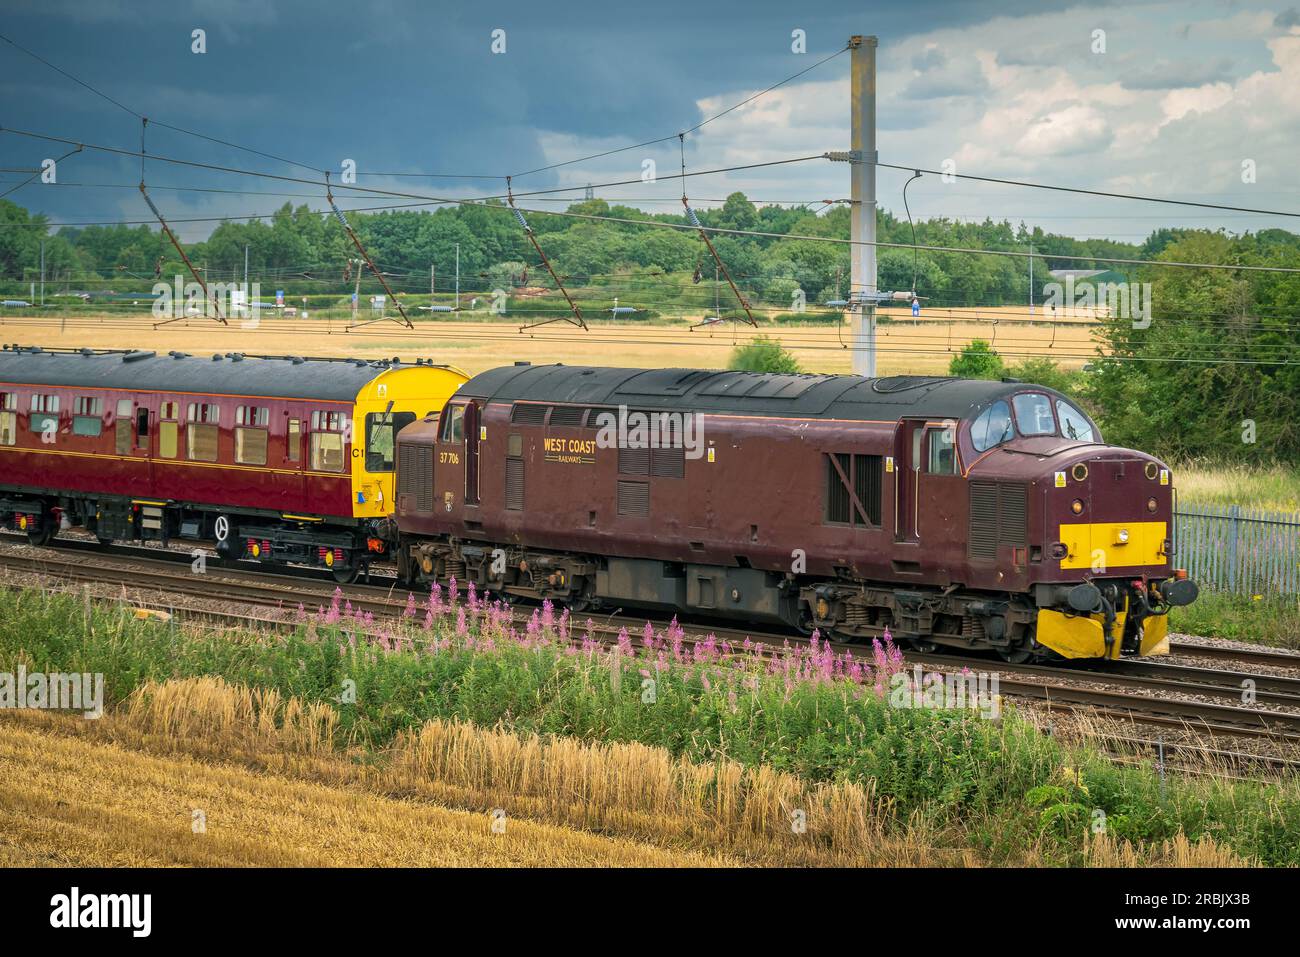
863, 223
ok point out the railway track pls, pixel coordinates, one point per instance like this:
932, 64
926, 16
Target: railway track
1153, 694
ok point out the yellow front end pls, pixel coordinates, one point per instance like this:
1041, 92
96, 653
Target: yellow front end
1101, 546
386, 403
1083, 636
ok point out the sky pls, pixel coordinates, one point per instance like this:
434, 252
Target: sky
1196, 100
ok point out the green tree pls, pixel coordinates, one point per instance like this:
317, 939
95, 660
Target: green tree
762, 355
977, 361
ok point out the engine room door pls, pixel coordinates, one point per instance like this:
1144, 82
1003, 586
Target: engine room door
472, 437
909, 453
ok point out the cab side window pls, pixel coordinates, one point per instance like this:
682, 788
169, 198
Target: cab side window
942, 454
453, 424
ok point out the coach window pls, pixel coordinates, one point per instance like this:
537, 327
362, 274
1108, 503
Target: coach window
453, 424
251, 423
8, 418
87, 419
381, 427
1034, 414
327, 441
45, 414
293, 439
992, 427
942, 458
1073, 423
168, 414
202, 431
122, 426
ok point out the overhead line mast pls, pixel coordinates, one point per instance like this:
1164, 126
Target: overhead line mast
862, 228
347, 228
528, 231
144, 125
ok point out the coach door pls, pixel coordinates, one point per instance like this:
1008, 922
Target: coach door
132, 434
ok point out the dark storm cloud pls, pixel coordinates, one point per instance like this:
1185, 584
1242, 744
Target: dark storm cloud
401, 86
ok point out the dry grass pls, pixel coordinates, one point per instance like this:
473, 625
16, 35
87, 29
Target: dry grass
76, 801
1247, 486
1105, 851
278, 788
924, 346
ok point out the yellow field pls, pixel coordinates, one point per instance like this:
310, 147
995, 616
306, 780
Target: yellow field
65, 801
924, 345
275, 789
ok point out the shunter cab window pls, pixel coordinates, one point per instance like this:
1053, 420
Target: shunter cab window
992, 427
8, 418
1073, 423
202, 431
1034, 414
942, 459
327, 441
453, 426
381, 432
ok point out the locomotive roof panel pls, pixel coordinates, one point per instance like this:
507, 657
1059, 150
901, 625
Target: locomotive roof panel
289, 377
803, 395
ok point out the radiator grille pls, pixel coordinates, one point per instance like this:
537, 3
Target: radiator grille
997, 517
528, 413
863, 474
568, 415
634, 461
633, 498
515, 484
668, 463
415, 475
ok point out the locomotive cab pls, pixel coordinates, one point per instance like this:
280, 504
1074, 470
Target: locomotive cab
1098, 527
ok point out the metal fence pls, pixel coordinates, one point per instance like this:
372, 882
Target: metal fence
1249, 551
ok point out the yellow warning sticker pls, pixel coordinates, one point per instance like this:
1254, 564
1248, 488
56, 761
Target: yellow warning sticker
1060, 480
711, 453
889, 463
1164, 476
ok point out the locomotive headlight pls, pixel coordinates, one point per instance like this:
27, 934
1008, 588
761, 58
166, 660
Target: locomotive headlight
1152, 505
1121, 537
1152, 470
1077, 506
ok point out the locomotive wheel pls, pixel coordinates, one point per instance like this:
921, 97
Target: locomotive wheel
41, 536
346, 574
1017, 655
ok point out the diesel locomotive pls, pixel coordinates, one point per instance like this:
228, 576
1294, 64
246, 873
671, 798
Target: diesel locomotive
968, 514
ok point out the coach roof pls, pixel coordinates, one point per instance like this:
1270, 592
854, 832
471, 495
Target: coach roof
741, 393
287, 377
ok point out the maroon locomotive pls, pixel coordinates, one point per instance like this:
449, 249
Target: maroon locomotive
965, 513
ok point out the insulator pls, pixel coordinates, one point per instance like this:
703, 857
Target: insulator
339, 214
520, 216
695, 220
